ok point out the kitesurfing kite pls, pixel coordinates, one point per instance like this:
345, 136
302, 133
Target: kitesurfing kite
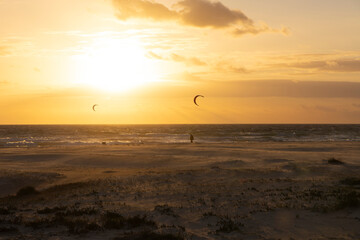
95, 105
196, 98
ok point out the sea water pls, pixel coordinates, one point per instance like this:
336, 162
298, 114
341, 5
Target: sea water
58, 135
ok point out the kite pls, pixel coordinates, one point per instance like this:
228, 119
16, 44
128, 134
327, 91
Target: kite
196, 98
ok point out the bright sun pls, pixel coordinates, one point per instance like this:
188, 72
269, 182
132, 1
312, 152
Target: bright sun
114, 65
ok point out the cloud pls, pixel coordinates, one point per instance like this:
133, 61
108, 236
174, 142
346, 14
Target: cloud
197, 13
4, 82
356, 105
352, 65
325, 108
202, 13
226, 66
14, 46
188, 61
192, 61
320, 108
277, 88
287, 88
5, 51
260, 29
142, 9
153, 55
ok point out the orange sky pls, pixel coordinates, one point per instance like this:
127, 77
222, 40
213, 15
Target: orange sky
143, 61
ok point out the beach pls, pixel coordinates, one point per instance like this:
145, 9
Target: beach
247, 190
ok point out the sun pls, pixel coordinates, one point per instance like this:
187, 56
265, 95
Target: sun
114, 65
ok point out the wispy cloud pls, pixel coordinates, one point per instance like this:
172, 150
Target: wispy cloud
356, 105
260, 29
197, 13
142, 9
336, 62
153, 55
229, 66
4, 82
341, 65
15, 45
278, 88
287, 88
5, 50
190, 61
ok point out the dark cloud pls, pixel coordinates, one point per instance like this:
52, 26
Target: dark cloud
352, 65
197, 13
202, 13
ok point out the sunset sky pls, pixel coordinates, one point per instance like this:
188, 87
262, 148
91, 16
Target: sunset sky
143, 61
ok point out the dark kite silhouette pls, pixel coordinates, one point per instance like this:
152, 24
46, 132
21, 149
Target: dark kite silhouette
196, 98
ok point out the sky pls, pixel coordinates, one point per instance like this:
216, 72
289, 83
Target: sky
143, 61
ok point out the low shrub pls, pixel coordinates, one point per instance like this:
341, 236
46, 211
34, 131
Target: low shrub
149, 236
25, 191
335, 161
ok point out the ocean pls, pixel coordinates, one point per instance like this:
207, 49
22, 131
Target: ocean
62, 135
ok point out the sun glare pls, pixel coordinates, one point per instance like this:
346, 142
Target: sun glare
114, 65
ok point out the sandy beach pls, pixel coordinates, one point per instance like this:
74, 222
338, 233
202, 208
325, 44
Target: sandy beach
254, 190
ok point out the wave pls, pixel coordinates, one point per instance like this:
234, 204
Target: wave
52, 135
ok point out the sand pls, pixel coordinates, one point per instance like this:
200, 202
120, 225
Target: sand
182, 191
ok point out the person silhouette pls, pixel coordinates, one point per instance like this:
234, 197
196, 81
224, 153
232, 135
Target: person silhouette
191, 138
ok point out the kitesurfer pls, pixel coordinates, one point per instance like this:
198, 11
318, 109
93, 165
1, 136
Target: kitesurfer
191, 138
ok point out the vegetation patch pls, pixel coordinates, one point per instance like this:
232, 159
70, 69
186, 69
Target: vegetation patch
26, 191
8, 230
81, 226
209, 214
138, 221
351, 181
4, 211
77, 212
75, 226
340, 199
149, 236
51, 210
227, 225
165, 210
114, 220
334, 161
64, 211
348, 200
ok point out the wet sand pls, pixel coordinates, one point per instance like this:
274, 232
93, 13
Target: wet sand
190, 191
